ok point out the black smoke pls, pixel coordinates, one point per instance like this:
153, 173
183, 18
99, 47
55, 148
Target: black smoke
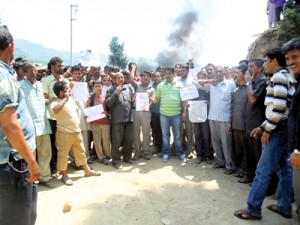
179, 49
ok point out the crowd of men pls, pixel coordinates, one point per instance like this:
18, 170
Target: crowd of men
252, 113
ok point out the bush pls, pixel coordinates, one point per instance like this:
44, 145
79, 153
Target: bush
289, 27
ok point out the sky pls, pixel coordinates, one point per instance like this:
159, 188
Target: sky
222, 33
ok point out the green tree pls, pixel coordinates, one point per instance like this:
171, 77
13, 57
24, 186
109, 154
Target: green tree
117, 56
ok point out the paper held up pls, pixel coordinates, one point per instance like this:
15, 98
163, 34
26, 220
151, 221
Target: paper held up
80, 91
188, 93
142, 102
197, 111
94, 113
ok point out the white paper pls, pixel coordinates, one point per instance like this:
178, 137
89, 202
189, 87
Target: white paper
188, 93
94, 113
88, 58
197, 111
194, 72
142, 102
80, 91
105, 89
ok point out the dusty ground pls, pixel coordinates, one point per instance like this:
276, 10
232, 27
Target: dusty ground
151, 193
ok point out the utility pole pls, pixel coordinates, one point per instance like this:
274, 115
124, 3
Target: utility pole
73, 18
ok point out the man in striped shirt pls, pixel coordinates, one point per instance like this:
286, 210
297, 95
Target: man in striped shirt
273, 132
170, 113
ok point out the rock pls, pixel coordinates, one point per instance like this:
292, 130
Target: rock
262, 44
67, 207
165, 221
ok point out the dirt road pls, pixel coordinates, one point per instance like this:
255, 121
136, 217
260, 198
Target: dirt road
151, 193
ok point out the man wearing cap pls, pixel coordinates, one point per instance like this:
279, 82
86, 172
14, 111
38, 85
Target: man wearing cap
40, 71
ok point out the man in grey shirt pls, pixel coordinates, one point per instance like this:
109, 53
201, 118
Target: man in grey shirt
119, 102
219, 119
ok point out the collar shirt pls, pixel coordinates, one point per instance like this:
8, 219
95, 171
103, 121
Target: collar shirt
239, 102
120, 105
255, 113
278, 99
220, 101
48, 84
36, 105
149, 90
67, 118
11, 95
170, 101
188, 81
294, 118
155, 108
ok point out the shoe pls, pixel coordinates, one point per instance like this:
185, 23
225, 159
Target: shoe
208, 161
165, 158
157, 150
105, 161
67, 181
199, 160
228, 171
243, 214
129, 161
47, 184
183, 158
137, 156
245, 180
55, 174
218, 166
117, 165
189, 154
90, 161
92, 173
275, 209
240, 175
147, 156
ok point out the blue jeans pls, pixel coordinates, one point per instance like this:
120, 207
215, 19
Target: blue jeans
17, 196
274, 157
166, 122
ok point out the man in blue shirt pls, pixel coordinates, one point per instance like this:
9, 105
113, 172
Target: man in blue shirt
18, 167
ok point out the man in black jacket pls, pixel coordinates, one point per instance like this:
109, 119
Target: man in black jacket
292, 54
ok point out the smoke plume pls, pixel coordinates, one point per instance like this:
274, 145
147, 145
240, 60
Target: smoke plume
180, 44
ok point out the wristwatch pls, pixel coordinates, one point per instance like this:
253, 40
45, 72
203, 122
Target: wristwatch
296, 151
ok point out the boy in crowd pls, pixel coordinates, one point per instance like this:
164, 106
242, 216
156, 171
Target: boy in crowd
68, 134
100, 127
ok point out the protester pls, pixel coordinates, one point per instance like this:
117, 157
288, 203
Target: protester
142, 118
18, 167
155, 116
100, 127
274, 137
55, 66
35, 101
171, 108
68, 134
119, 102
292, 55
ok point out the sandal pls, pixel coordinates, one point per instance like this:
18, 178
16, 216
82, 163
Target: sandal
240, 175
244, 215
275, 209
245, 180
